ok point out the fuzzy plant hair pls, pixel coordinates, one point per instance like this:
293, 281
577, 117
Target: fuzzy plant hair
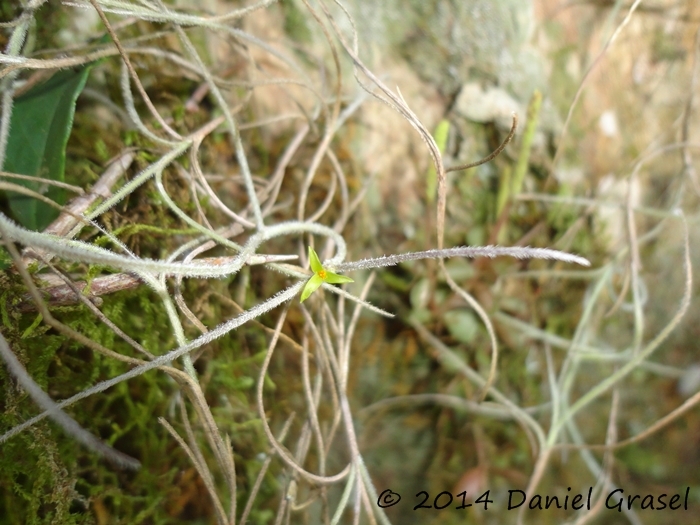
80, 236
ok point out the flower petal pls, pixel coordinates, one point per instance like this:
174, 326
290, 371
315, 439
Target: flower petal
310, 287
315, 263
334, 278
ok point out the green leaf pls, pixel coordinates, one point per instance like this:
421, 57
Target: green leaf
5, 259
462, 324
533, 112
441, 133
334, 278
313, 259
311, 286
41, 123
420, 294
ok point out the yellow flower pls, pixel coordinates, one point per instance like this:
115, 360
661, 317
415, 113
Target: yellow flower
320, 275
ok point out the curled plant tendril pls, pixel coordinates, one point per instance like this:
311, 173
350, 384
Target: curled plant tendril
320, 276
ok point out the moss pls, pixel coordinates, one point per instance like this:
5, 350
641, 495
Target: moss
46, 477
